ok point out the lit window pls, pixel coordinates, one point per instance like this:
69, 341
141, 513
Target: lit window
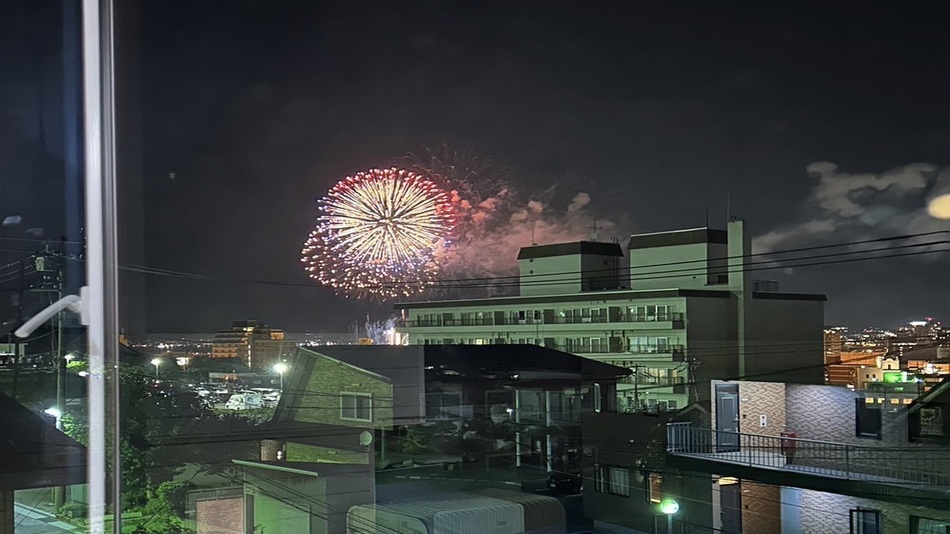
655, 487
356, 406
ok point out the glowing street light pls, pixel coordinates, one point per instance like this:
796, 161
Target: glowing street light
56, 413
280, 368
156, 362
669, 507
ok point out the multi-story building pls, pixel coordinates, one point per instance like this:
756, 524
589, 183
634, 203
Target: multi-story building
254, 343
833, 345
685, 310
793, 458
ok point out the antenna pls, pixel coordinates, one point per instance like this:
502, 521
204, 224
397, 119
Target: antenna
594, 228
728, 212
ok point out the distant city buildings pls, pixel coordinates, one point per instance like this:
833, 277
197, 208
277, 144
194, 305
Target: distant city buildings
910, 359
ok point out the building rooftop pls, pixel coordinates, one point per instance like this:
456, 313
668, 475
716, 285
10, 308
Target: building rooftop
567, 249
677, 237
33, 453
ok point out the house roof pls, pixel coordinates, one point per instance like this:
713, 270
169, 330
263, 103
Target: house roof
689, 236
308, 469
569, 249
941, 388
486, 359
33, 453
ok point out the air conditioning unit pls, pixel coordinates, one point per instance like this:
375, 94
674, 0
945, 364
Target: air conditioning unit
522, 321
585, 319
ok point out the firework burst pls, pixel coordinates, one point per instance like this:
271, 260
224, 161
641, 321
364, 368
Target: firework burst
378, 233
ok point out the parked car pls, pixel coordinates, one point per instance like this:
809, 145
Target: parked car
565, 483
244, 401
270, 395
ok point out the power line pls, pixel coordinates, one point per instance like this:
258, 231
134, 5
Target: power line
463, 283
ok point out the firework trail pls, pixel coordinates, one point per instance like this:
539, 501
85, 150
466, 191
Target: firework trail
378, 232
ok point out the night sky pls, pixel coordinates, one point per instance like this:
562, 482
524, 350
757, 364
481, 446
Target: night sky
826, 122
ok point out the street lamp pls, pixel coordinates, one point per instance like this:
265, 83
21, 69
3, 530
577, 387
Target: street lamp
57, 413
669, 507
280, 368
156, 362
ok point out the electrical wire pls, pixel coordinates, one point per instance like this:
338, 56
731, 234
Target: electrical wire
496, 282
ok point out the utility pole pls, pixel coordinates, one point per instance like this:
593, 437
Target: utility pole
59, 492
19, 323
636, 387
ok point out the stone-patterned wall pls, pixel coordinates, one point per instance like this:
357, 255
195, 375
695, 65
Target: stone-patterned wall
762, 398
828, 513
761, 508
319, 402
220, 516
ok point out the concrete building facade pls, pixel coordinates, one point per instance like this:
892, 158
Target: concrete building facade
684, 312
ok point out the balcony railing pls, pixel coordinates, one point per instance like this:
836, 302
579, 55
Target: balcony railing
653, 380
925, 466
675, 318
619, 349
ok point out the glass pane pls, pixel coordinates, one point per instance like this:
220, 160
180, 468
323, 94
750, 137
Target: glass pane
44, 374
335, 220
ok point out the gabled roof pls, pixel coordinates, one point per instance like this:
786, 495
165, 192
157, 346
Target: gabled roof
488, 359
33, 453
941, 388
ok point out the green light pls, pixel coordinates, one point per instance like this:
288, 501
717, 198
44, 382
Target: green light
669, 507
894, 377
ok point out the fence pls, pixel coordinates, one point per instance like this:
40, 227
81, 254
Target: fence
917, 465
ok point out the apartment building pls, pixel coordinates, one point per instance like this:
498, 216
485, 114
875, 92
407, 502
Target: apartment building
795, 458
684, 310
254, 343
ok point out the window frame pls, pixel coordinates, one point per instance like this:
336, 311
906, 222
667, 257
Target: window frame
857, 519
604, 480
915, 524
861, 406
344, 395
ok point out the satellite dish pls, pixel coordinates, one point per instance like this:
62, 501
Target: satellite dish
366, 438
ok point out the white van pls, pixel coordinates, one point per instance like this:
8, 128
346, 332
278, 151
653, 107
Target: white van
244, 401
270, 396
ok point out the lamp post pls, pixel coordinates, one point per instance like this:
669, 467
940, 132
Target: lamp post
669, 507
156, 362
280, 368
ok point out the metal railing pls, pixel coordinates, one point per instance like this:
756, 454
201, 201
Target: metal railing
675, 318
917, 465
618, 349
643, 380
